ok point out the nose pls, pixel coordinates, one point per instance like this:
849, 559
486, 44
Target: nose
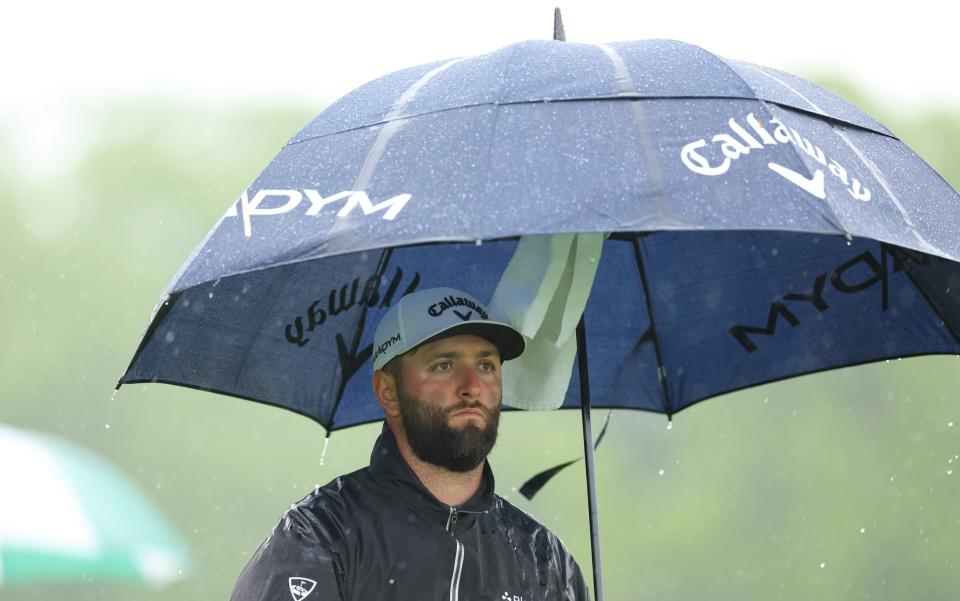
470, 385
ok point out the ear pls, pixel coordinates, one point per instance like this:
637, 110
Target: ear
385, 389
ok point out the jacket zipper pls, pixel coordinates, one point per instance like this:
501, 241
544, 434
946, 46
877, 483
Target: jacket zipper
457, 568
455, 513
452, 520
458, 558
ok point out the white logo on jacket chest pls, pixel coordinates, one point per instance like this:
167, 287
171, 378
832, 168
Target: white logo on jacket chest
301, 587
508, 597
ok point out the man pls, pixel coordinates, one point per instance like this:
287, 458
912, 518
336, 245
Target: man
422, 522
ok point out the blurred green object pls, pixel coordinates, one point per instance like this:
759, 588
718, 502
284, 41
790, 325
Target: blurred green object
66, 514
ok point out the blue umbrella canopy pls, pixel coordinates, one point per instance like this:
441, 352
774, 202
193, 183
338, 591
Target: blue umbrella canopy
757, 227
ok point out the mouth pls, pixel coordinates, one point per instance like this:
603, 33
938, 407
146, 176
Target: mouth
470, 412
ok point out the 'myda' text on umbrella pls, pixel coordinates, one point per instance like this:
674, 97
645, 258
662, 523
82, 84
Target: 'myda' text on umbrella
291, 199
853, 276
740, 142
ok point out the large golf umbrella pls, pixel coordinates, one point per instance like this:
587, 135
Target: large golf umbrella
751, 225
68, 515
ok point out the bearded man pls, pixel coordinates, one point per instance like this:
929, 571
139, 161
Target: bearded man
422, 521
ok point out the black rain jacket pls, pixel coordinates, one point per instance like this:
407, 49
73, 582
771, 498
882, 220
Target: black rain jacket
379, 534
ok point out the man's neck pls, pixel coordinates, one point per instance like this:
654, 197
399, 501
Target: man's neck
449, 487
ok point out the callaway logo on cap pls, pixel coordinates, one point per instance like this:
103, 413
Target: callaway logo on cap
436, 313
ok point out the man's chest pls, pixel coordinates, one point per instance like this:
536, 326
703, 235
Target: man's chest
478, 564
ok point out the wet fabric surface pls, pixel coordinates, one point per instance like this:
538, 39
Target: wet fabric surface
379, 534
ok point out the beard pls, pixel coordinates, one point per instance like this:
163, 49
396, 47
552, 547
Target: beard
434, 441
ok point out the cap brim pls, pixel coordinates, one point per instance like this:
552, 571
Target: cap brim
509, 342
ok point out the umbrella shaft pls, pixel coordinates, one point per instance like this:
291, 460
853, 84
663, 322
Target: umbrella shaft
588, 456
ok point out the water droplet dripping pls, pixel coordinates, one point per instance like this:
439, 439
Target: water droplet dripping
323, 453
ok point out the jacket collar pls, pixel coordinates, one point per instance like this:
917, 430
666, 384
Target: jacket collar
386, 463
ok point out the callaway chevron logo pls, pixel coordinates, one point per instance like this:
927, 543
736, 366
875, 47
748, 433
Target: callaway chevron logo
448, 302
725, 148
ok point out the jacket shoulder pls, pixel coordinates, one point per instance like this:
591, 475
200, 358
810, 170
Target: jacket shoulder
323, 515
550, 553
514, 516
306, 546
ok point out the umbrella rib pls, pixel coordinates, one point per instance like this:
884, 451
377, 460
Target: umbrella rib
933, 307
230, 393
871, 167
393, 123
830, 214
628, 86
159, 316
381, 268
877, 175
622, 96
258, 331
813, 105
661, 370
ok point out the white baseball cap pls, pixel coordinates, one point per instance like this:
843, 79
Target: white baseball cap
427, 315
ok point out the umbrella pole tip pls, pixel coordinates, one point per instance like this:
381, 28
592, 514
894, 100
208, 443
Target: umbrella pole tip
558, 33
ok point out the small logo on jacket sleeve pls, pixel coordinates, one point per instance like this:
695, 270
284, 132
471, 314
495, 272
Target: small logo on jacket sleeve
301, 587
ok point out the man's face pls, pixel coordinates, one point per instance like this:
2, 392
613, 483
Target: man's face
449, 392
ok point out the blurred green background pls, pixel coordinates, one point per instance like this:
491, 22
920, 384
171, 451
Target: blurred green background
834, 486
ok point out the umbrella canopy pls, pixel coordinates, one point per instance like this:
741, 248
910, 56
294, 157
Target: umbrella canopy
736, 225
758, 228
68, 515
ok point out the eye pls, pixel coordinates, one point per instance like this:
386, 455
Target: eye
442, 366
488, 366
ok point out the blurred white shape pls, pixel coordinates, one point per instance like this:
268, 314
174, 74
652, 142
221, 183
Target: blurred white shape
68, 514
158, 566
51, 497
